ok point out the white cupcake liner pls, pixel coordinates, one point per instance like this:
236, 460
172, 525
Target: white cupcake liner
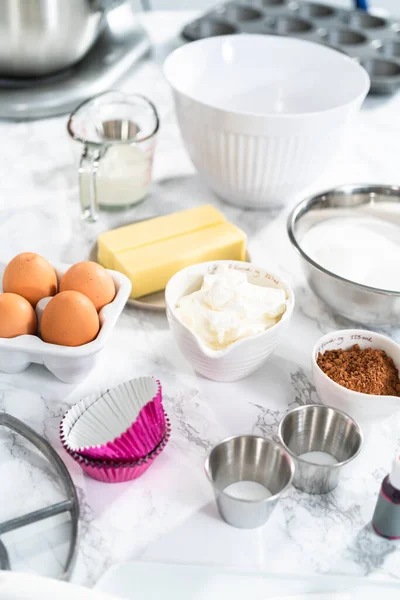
123, 423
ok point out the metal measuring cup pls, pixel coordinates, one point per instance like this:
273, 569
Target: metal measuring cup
319, 429
248, 459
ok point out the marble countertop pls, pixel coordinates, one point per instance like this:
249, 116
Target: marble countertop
169, 513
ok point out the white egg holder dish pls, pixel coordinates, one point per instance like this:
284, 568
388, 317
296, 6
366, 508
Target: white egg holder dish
69, 364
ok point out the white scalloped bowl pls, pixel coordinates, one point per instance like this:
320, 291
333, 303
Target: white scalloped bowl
263, 116
242, 357
69, 364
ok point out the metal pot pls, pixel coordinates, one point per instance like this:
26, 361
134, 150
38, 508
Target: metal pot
39, 37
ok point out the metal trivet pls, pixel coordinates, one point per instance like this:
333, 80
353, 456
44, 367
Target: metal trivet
69, 505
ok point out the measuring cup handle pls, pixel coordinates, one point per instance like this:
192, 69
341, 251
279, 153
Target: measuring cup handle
87, 183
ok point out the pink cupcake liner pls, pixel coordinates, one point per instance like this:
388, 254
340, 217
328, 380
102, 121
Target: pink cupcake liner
124, 423
114, 472
117, 462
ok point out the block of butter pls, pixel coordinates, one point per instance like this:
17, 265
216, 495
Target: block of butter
144, 233
151, 252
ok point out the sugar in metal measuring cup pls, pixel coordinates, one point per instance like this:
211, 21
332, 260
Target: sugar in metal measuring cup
118, 133
321, 440
249, 474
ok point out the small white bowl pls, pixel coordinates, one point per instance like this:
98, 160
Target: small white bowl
263, 116
242, 357
363, 408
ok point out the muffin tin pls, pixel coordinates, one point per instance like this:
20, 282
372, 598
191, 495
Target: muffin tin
372, 40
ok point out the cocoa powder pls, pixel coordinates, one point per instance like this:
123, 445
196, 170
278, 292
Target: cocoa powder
364, 370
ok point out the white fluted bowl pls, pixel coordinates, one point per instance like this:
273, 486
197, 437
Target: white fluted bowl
240, 358
263, 116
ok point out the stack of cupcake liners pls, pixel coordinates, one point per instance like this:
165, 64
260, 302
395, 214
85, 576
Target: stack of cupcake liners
115, 436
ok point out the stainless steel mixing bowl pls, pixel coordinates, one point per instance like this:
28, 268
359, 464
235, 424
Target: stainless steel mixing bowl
360, 303
39, 37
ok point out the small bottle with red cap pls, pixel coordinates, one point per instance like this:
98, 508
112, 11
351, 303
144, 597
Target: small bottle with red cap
386, 519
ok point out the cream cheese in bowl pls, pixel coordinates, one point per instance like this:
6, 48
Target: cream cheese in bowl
228, 308
223, 326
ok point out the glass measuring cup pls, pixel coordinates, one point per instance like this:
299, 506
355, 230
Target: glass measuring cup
118, 133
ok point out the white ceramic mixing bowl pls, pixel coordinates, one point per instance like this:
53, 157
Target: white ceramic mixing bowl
263, 116
242, 357
366, 409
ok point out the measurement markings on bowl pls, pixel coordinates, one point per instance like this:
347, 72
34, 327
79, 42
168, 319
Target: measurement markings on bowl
335, 340
361, 337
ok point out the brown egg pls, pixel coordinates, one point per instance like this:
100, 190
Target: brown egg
17, 316
69, 319
31, 276
90, 279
